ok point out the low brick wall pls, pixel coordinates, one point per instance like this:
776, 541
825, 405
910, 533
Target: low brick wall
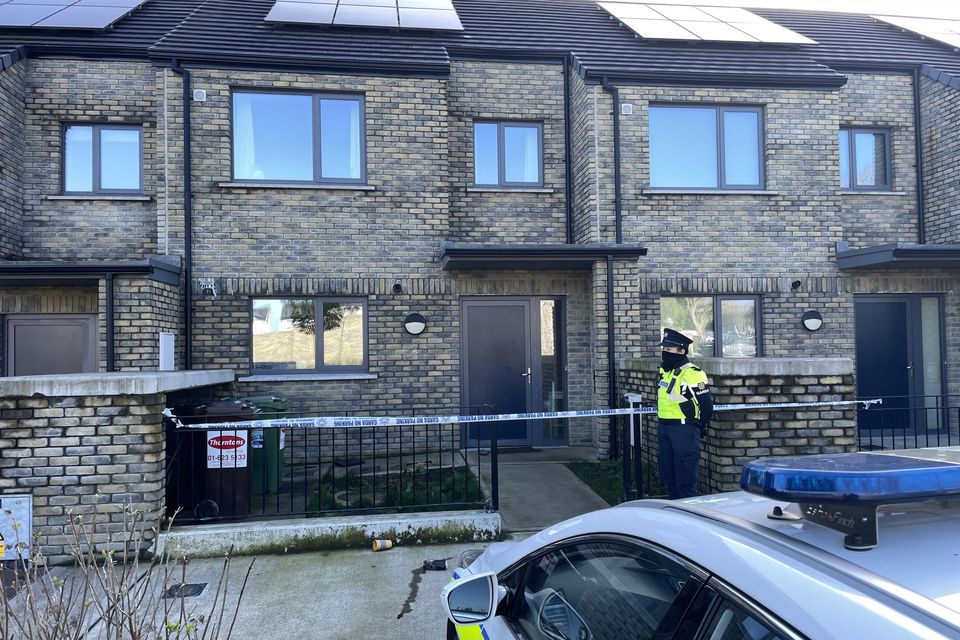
85, 444
737, 437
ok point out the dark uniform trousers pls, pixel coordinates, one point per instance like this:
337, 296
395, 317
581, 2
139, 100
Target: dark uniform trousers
679, 456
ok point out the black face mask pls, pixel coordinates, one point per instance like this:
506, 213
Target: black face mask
673, 360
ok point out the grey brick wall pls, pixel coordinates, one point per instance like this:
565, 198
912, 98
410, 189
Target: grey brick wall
532, 92
391, 231
883, 102
738, 437
143, 308
62, 91
940, 111
11, 161
75, 455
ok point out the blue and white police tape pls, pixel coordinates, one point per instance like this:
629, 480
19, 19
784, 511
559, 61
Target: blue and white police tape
383, 421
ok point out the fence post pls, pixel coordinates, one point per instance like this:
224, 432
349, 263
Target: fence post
494, 468
625, 448
636, 441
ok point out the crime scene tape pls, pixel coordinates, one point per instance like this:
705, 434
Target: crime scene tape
375, 421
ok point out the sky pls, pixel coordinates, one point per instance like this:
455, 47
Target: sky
919, 8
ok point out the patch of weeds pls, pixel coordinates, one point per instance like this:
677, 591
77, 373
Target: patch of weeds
605, 477
408, 488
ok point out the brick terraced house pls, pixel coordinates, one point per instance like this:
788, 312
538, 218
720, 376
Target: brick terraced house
537, 185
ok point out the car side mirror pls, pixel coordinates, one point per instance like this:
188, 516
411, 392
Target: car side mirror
473, 599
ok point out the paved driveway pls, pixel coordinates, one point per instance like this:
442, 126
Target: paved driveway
351, 594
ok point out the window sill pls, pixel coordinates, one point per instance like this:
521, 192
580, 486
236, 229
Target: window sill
708, 192
509, 190
296, 185
306, 377
845, 192
93, 196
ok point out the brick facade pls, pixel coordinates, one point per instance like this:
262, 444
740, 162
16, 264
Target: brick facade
940, 108
11, 162
77, 454
59, 92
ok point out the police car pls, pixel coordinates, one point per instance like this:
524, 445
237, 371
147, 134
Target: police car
848, 546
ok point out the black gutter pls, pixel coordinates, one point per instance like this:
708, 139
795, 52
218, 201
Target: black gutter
410, 70
568, 173
111, 331
706, 80
901, 256
617, 196
187, 221
918, 141
611, 365
159, 269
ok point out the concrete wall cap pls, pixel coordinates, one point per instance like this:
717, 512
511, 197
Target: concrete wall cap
757, 366
111, 384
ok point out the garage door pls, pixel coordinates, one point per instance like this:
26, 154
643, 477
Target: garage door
46, 344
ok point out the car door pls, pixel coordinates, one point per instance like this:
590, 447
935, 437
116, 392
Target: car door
599, 588
719, 612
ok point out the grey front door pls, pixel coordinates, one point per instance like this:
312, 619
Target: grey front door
899, 359
48, 344
497, 365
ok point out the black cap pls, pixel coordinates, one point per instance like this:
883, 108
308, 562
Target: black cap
672, 338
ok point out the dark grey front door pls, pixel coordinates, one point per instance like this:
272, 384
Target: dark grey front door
497, 365
899, 359
47, 344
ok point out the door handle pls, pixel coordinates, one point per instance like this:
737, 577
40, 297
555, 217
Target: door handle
528, 375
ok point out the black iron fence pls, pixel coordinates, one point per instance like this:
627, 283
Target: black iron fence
909, 422
286, 472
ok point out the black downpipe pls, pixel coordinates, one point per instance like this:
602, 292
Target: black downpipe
611, 365
617, 196
918, 136
187, 221
111, 331
568, 151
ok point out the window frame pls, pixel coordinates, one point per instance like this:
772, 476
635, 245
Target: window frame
502, 125
719, 109
850, 131
721, 592
97, 128
318, 302
718, 319
316, 138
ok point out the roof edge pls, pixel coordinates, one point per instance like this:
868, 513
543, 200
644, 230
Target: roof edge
739, 81
942, 77
12, 57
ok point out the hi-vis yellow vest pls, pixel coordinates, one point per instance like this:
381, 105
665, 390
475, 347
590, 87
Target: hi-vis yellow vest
677, 386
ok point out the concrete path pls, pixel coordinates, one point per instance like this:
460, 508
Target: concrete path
537, 489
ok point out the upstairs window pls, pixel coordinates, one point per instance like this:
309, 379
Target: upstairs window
720, 326
102, 159
508, 154
864, 159
298, 137
704, 147
286, 338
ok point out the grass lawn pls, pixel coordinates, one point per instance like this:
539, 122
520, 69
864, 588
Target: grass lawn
605, 477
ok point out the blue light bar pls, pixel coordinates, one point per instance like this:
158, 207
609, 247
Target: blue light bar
877, 478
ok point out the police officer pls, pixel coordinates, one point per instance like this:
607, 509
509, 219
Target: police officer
684, 408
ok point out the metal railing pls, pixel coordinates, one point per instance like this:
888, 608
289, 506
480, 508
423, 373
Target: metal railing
909, 422
336, 470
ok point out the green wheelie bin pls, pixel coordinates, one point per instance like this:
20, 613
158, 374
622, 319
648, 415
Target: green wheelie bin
266, 446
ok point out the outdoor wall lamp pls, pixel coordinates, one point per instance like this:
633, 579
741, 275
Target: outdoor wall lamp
812, 320
415, 324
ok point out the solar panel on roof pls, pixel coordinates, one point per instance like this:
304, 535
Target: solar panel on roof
366, 16
437, 15
439, 19
309, 13
714, 24
64, 14
947, 31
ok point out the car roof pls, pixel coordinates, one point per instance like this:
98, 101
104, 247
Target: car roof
800, 571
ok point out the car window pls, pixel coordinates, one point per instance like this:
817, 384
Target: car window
598, 590
730, 621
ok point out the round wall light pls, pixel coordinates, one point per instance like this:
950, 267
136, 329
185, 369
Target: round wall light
415, 324
812, 320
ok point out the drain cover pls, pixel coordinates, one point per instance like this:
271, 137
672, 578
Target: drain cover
185, 590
